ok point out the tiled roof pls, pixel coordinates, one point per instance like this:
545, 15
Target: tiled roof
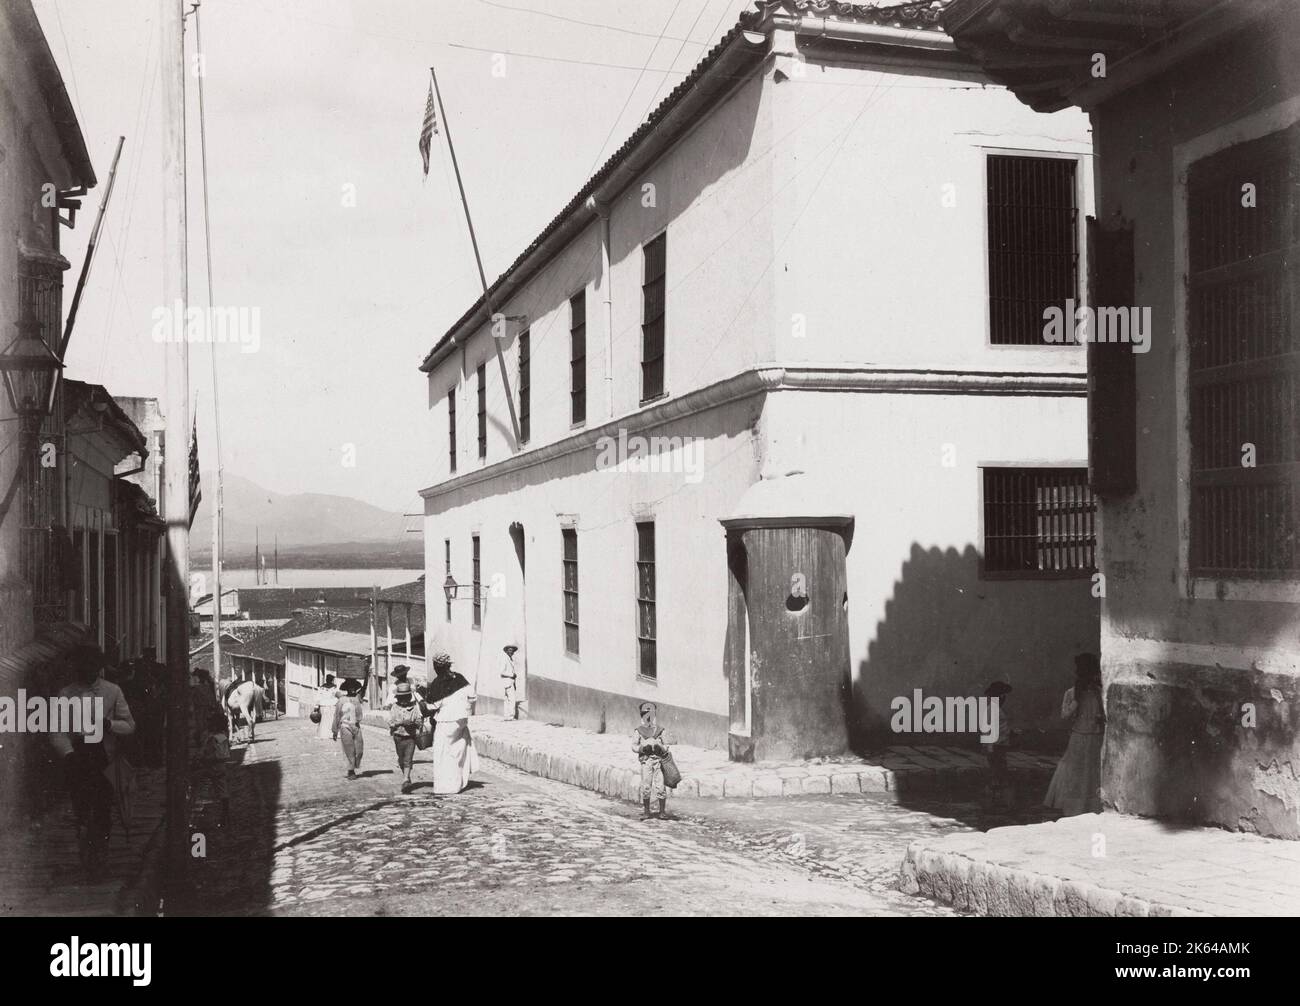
404, 593
269, 645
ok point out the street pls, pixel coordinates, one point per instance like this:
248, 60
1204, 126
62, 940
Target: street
306, 841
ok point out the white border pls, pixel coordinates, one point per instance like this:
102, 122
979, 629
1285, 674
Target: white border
1252, 127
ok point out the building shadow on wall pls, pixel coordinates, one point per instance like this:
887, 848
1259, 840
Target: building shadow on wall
950, 633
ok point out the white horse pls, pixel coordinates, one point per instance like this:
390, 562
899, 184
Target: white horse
246, 701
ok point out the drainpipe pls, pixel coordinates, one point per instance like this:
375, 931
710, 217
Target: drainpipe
602, 211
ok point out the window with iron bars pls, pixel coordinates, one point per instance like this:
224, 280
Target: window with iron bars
45, 547
482, 411
1243, 217
525, 387
451, 430
569, 537
1033, 233
1039, 522
646, 628
653, 295
578, 358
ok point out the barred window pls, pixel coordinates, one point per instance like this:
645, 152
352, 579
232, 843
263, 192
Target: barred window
482, 411
478, 583
1033, 221
578, 358
652, 318
570, 586
1039, 522
646, 634
1243, 215
525, 394
451, 430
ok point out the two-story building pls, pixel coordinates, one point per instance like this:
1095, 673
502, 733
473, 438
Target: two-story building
1196, 443
790, 442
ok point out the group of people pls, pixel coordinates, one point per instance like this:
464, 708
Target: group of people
434, 715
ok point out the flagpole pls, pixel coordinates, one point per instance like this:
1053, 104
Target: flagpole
478, 259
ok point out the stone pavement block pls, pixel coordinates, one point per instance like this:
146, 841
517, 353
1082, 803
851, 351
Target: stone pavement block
737, 786
817, 784
875, 780
767, 785
792, 785
845, 782
711, 786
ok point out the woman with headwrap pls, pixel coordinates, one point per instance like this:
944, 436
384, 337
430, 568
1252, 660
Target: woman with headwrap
449, 695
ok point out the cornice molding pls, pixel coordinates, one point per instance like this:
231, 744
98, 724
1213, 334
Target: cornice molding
769, 378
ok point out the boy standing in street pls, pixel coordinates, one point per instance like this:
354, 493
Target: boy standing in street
651, 746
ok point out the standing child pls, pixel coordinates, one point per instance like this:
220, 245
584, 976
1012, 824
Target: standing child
651, 744
405, 721
347, 725
1076, 784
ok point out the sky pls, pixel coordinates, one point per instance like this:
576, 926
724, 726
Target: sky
323, 228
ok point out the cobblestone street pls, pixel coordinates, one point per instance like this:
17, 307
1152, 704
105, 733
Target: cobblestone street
305, 840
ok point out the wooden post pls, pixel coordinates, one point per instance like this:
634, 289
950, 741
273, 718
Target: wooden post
177, 403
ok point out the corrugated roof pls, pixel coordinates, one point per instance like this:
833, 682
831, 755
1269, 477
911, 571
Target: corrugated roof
333, 641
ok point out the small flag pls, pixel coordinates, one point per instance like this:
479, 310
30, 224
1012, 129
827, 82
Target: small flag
428, 130
196, 489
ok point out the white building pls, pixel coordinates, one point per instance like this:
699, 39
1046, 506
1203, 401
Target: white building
786, 269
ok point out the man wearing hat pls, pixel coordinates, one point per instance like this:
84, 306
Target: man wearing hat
400, 673
510, 681
347, 725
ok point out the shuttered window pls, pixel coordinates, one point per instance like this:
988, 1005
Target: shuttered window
652, 318
482, 411
646, 634
1243, 216
569, 538
1039, 522
1033, 245
477, 581
578, 358
451, 430
525, 382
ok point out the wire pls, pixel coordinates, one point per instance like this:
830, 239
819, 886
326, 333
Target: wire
589, 24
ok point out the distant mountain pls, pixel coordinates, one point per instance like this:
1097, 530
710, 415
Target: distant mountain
302, 521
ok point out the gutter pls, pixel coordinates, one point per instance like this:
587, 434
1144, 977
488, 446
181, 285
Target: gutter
855, 31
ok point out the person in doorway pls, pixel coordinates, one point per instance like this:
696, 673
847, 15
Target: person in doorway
1076, 784
450, 696
510, 681
203, 702
405, 721
651, 744
348, 711
88, 753
327, 697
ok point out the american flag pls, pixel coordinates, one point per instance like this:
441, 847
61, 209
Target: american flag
428, 130
196, 489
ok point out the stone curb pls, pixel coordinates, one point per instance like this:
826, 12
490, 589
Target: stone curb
623, 783
986, 888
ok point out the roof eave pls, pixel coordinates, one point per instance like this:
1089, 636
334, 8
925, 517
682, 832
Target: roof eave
743, 50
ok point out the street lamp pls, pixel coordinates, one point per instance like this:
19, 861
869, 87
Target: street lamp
29, 367
452, 589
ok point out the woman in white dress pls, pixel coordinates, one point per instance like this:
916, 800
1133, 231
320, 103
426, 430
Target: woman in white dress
454, 758
327, 698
